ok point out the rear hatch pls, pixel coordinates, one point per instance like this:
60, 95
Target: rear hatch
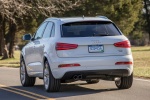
91, 39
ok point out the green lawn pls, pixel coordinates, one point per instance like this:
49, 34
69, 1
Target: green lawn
141, 57
11, 62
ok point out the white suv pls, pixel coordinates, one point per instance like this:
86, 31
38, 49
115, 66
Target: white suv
72, 49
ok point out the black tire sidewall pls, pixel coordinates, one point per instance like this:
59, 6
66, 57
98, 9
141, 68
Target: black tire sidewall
29, 81
22, 61
125, 82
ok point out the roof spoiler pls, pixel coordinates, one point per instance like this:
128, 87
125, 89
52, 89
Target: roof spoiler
102, 17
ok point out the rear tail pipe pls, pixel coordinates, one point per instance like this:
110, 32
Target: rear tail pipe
77, 77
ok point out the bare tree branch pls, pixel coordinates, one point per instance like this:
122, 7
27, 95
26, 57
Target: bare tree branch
12, 9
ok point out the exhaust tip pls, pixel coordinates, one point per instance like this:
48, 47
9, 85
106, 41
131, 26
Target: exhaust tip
77, 77
80, 77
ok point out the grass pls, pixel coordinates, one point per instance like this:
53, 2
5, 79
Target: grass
11, 62
141, 57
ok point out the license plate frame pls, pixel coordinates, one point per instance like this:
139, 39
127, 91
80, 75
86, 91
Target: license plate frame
96, 48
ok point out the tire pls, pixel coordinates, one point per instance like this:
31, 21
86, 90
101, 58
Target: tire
124, 82
50, 83
92, 81
26, 81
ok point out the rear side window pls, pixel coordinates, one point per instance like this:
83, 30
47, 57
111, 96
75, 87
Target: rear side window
48, 29
89, 29
40, 31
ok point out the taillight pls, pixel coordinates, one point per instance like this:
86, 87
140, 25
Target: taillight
65, 46
123, 44
69, 65
123, 63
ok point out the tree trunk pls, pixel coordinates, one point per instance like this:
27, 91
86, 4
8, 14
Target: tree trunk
2, 32
5, 50
149, 39
1, 44
12, 31
147, 18
5, 53
1, 36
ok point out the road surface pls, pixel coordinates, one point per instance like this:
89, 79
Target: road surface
11, 89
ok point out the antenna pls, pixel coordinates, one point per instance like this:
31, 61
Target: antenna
83, 16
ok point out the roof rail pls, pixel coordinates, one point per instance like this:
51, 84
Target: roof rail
102, 17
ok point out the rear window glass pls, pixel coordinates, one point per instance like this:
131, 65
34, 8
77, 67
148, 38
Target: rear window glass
89, 29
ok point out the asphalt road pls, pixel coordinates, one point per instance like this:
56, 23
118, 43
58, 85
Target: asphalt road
11, 89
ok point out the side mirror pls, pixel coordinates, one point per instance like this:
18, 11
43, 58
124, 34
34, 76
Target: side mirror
27, 37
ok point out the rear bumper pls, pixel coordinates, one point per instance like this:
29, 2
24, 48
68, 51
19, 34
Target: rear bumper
90, 65
92, 74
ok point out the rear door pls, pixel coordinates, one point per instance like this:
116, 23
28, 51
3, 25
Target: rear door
29, 51
41, 44
36, 64
91, 39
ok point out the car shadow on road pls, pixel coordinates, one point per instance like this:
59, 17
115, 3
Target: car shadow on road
77, 89
67, 90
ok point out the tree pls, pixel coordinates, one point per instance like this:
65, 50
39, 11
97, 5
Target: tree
14, 10
2, 26
147, 15
123, 12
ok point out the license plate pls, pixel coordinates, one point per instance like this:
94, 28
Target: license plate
96, 48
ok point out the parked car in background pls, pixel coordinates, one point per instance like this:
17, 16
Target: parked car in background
72, 49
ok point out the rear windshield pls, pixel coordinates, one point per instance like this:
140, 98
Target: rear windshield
89, 29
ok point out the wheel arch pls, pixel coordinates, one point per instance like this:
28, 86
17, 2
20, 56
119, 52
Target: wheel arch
46, 57
21, 56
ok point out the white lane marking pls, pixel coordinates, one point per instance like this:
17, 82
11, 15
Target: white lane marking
144, 80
